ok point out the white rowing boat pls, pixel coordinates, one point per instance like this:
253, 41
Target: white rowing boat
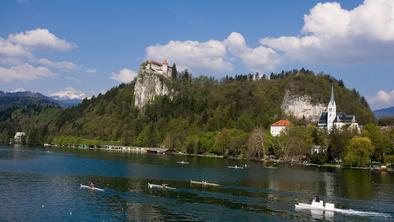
204, 183
91, 188
316, 206
182, 162
236, 167
157, 186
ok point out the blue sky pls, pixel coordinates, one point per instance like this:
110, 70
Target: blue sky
81, 48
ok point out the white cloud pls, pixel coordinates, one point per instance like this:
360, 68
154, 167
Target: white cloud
68, 93
65, 65
90, 70
382, 99
11, 54
332, 34
124, 75
257, 59
40, 39
193, 55
23, 72
214, 55
18, 61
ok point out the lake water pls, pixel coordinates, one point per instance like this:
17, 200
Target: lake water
38, 184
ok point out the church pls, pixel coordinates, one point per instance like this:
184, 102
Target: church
330, 119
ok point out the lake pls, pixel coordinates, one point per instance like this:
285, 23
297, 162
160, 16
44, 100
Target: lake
43, 184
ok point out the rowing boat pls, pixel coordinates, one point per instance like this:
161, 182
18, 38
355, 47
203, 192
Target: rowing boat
236, 167
204, 183
91, 188
316, 206
163, 186
182, 162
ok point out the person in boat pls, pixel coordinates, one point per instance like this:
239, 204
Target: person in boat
164, 185
91, 184
317, 198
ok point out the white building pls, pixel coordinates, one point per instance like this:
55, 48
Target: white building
331, 118
317, 149
278, 127
160, 68
18, 137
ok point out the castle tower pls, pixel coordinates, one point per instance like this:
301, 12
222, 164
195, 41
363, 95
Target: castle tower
331, 111
165, 67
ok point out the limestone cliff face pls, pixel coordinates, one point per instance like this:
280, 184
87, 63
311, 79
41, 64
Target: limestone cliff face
148, 85
301, 106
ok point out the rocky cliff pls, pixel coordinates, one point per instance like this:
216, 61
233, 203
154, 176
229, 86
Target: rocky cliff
148, 85
301, 106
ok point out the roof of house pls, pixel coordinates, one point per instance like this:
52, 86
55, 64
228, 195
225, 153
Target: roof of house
323, 118
156, 63
282, 123
165, 62
343, 117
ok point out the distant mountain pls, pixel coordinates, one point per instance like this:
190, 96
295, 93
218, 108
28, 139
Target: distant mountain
23, 99
66, 103
386, 112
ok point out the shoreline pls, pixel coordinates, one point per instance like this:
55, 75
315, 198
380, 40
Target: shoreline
145, 150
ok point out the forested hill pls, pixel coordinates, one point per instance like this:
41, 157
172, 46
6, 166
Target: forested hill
200, 108
23, 99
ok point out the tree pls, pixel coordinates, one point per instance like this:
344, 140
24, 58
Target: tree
300, 142
294, 142
338, 140
379, 140
230, 141
386, 121
207, 142
319, 137
255, 144
174, 72
359, 151
191, 144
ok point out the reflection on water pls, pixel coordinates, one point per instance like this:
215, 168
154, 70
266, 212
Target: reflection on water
357, 184
36, 185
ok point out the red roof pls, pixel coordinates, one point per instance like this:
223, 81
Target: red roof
282, 123
154, 62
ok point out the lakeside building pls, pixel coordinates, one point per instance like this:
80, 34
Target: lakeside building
18, 138
317, 149
330, 119
278, 127
159, 68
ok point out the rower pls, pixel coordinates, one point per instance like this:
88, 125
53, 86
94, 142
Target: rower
91, 184
317, 198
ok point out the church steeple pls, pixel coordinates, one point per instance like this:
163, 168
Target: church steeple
331, 111
332, 94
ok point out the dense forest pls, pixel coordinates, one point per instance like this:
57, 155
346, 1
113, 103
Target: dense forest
206, 115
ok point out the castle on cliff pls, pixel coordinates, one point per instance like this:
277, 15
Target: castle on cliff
159, 68
331, 119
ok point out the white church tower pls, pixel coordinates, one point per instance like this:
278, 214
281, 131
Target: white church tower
331, 111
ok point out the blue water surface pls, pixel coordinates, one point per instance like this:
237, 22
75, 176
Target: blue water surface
39, 184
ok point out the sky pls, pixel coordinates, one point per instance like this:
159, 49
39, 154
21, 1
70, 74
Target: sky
76, 49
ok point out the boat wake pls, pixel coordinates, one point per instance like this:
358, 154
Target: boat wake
318, 208
362, 213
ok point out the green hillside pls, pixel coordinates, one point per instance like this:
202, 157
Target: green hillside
200, 110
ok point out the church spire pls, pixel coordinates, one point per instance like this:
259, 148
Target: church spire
332, 94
